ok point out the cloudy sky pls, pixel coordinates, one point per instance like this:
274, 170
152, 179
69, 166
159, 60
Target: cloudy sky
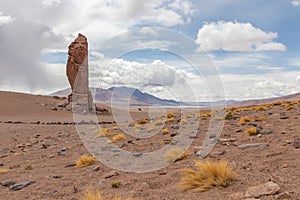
176, 49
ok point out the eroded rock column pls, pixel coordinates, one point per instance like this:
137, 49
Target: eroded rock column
78, 75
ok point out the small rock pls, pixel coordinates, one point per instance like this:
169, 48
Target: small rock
266, 132
284, 117
137, 154
162, 173
70, 165
8, 183
56, 176
268, 188
97, 168
173, 134
297, 143
248, 146
111, 174
20, 186
238, 130
283, 196
176, 127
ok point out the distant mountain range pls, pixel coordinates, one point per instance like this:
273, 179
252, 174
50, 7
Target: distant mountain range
124, 95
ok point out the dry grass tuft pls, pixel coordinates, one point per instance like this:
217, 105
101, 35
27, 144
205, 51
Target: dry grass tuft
183, 122
118, 137
3, 171
218, 118
104, 132
143, 122
260, 108
165, 131
91, 195
170, 115
84, 161
177, 154
260, 118
159, 122
172, 119
244, 119
207, 175
251, 131
289, 107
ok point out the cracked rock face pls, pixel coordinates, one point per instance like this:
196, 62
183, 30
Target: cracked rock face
78, 51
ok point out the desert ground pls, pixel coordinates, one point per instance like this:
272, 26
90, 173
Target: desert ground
39, 145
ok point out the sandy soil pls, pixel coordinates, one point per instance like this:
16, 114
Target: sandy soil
41, 145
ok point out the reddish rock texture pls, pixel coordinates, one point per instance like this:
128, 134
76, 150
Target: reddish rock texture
78, 51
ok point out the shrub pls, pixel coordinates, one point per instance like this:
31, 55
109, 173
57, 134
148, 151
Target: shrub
207, 175
104, 132
117, 137
289, 107
176, 154
172, 119
84, 161
244, 119
170, 115
218, 118
260, 118
143, 122
229, 116
3, 171
159, 122
116, 184
251, 131
260, 108
91, 195
165, 131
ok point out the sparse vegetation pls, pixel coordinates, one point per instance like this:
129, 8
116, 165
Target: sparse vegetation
218, 118
251, 131
177, 154
170, 115
143, 122
118, 137
260, 118
244, 120
229, 116
207, 175
289, 107
260, 108
28, 167
104, 132
116, 184
3, 171
159, 122
91, 195
85, 160
183, 122
165, 131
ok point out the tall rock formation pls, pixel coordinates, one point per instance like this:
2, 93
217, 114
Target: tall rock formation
78, 75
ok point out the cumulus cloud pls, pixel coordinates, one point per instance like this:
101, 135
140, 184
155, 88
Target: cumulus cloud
47, 3
235, 36
5, 19
295, 3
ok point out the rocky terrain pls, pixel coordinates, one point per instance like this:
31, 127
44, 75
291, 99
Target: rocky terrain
40, 145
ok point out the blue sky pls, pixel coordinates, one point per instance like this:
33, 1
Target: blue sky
252, 46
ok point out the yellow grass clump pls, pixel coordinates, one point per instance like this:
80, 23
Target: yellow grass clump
84, 161
104, 132
244, 119
183, 122
159, 122
3, 171
96, 195
251, 131
92, 195
260, 108
172, 119
207, 175
177, 154
118, 137
170, 115
143, 122
260, 118
165, 131
289, 107
218, 118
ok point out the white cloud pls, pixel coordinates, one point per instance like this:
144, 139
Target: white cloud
48, 3
5, 19
295, 3
183, 6
268, 68
235, 36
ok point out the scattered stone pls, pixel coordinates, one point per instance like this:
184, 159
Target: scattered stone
97, 168
137, 154
8, 183
70, 165
238, 130
268, 188
284, 117
173, 134
252, 124
248, 146
162, 173
176, 127
20, 186
51, 193
111, 174
56, 176
227, 139
266, 132
283, 196
297, 143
